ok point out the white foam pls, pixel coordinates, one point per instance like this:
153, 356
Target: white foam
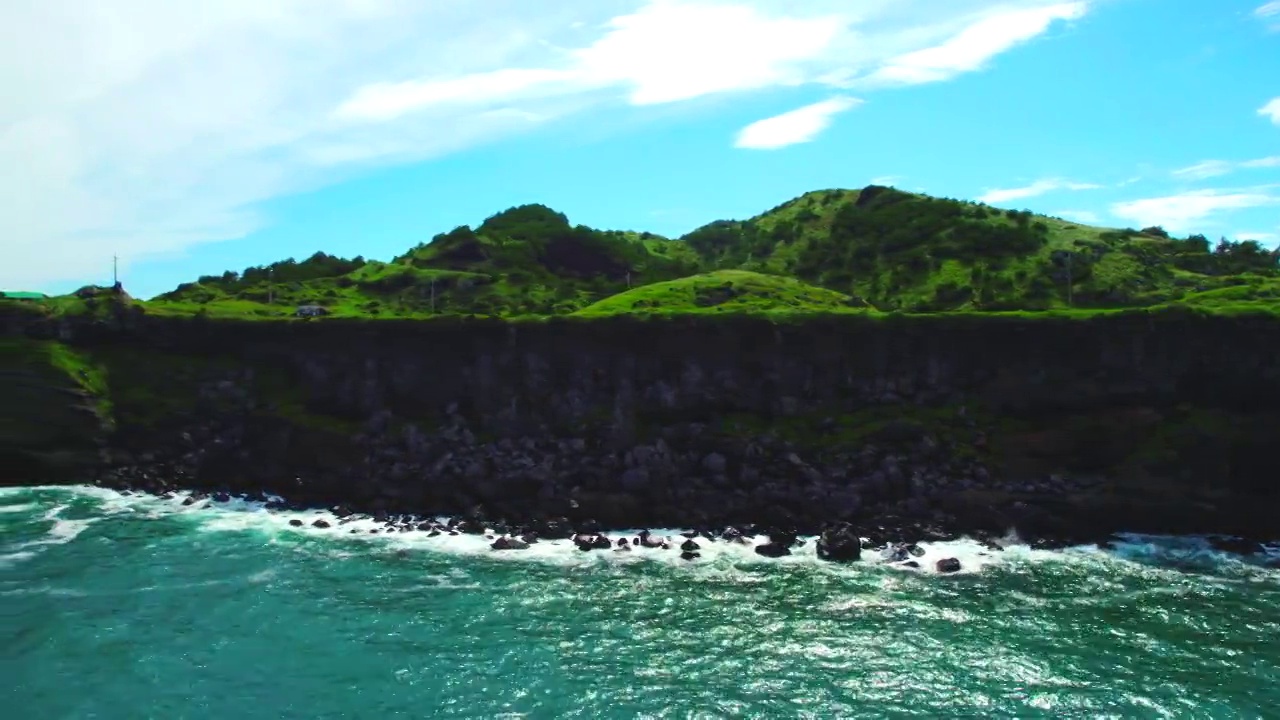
721, 556
720, 560
10, 559
24, 507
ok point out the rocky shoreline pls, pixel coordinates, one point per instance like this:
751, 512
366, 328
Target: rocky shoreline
911, 485
889, 525
841, 542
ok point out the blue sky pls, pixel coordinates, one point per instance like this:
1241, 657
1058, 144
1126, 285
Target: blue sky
258, 129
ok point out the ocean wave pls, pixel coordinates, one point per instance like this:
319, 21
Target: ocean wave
719, 560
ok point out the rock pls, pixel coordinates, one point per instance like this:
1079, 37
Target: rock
690, 555
895, 553
839, 543
295, 522
509, 543
773, 550
948, 565
322, 524
651, 541
714, 463
911, 564
634, 479
690, 546
554, 529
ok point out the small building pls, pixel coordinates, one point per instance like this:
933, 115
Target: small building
310, 311
13, 295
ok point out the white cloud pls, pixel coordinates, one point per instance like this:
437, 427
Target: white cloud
1271, 110
887, 180
671, 51
1181, 212
1261, 237
386, 101
1039, 187
1215, 168
793, 127
976, 44
1269, 13
1204, 169
145, 129
1087, 217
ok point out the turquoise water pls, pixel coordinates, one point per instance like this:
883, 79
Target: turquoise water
124, 607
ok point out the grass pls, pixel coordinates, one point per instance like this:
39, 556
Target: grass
54, 362
724, 291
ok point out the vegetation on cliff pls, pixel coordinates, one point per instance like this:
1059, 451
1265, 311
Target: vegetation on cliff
824, 251
54, 406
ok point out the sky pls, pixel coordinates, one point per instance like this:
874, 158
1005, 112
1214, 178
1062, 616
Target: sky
189, 139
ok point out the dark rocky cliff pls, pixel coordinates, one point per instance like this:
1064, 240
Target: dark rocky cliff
1060, 426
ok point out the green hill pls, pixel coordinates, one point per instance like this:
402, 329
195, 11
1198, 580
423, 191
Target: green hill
911, 252
525, 261
724, 291
892, 249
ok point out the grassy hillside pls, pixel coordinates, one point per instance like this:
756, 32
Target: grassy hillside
892, 250
527, 260
724, 291
911, 252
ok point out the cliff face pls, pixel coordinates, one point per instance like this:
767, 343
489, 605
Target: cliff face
51, 424
681, 422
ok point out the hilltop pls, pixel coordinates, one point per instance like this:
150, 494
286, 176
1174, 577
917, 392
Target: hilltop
829, 250
916, 253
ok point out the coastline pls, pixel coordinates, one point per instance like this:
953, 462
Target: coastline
914, 429
472, 537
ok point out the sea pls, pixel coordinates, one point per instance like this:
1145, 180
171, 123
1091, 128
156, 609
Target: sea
126, 606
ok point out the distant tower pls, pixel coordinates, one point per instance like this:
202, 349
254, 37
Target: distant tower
115, 272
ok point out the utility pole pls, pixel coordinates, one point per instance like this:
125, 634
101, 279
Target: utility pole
271, 285
433, 296
115, 270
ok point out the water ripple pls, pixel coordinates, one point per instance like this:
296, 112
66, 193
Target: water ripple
159, 610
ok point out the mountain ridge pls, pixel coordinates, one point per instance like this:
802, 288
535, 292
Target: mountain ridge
889, 249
